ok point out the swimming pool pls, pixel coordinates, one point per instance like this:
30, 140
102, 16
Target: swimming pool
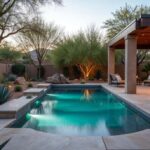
83, 111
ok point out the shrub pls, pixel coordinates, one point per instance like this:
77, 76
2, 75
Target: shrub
98, 74
4, 94
18, 88
82, 81
91, 78
11, 77
2, 78
66, 71
18, 69
30, 85
29, 96
76, 72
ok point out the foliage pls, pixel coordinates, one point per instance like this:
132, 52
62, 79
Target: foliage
2, 78
40, 38
83, 50
123, 17
146, 69
98, 74
82, 81
14, 15
7, 54
4, 94
29, 96
30, 85
18, 69
11, 77
18, 88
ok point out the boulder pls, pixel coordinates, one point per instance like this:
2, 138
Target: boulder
20, 80
58, 79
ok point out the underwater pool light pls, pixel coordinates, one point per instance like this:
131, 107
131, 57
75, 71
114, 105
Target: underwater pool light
28, 116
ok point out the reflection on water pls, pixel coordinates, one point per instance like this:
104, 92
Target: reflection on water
87, 95
86, 112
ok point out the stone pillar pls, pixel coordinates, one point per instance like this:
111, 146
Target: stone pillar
130, 64
111, 62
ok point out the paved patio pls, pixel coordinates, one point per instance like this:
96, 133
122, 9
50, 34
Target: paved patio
28, 139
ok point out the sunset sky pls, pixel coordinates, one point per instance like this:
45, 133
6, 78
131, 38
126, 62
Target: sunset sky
78, 14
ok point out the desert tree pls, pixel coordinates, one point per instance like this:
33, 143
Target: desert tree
82, 50
39, 38
14, 15
9, 55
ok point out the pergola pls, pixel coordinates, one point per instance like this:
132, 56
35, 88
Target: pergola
135, 36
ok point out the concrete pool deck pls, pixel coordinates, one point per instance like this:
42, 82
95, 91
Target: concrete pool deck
29, 139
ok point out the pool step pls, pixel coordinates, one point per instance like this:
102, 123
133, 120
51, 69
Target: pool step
34, 91
16, 108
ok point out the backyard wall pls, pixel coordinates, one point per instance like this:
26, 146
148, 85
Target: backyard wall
49, 71
30, 70
2, 68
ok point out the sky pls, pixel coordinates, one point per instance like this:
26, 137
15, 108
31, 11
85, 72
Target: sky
75, 15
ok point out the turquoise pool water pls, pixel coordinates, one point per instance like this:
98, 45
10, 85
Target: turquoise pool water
83, 112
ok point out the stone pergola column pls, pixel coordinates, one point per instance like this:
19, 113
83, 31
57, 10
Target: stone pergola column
130, 64
111, 62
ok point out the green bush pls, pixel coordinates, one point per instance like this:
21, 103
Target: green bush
4, 94
18, 88
11, 77
2, 78
82, 81
91, 78
29, 96
18, 69
98, 74
30, 85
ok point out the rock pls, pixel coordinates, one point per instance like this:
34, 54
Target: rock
58, 79
20, 80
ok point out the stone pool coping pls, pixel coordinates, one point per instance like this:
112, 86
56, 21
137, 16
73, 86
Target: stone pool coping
19, 138
34, 91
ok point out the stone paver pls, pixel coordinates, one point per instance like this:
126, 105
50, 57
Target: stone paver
11, 108
5, 122
135, 141
28, 139
85, 143
34, 91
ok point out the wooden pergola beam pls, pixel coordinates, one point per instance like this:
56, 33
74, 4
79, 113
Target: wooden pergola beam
134, 28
